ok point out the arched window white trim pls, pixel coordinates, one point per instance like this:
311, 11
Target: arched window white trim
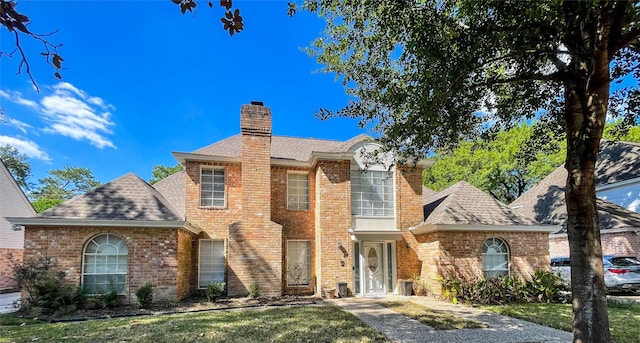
104, 264
495, 257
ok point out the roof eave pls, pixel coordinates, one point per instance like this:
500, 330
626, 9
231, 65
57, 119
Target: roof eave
429, 228
186, 156
101, 222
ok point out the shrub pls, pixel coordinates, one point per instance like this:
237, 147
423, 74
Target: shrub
254, 290
108, 298
214, 291
542, 287
45, 288
144, 294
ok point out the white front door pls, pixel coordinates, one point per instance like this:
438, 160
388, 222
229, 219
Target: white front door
373, 267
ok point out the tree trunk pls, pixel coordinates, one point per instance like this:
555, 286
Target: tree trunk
586, 100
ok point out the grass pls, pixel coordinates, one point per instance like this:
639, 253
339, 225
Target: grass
436, 319
624, 319
293, 324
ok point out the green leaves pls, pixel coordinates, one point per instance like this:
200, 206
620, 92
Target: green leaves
232, 21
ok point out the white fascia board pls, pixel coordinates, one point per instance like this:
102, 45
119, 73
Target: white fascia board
386, 235
99, 222
428, 228
602, 232
184, 156
618, 184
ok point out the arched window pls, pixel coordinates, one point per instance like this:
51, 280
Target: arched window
495, 257
104, 265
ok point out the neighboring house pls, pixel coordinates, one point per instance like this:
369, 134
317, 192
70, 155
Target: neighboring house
618, 190
469, 233
294, 215
13, 203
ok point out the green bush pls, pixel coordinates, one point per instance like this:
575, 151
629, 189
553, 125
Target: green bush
45, 288
543, 286
254, 290
214, 291
144, 294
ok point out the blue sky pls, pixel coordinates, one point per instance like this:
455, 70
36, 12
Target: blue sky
141, 80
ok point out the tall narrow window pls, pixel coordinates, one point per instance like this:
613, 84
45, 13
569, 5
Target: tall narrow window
298, 263
495, 257
212, 182
356, 265
372, 193
211, 262
298, 191
105, 264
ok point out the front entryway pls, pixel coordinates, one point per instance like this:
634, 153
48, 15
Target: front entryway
373, 268
374, 265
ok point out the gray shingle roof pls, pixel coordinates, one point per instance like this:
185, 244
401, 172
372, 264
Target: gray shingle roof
289, 148
126, 198
464, 204
172, 188
545, 202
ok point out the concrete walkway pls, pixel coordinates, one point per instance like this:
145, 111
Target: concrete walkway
399, 328
8, 302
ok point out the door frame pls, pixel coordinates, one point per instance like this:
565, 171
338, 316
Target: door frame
389, 266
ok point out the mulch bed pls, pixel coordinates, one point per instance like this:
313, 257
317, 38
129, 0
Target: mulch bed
188, 305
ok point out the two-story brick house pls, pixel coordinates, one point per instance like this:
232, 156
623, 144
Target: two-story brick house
293, 215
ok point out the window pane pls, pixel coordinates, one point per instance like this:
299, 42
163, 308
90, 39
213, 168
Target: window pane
298, 263
372, 193
105, 264
212, 187
211, 262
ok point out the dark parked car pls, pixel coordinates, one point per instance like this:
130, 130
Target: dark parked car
621, 273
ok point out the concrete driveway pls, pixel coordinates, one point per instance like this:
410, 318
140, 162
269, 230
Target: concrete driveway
9, 302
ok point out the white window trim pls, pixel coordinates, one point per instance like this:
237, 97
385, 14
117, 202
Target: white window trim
394, 195
289, 172
202, 167
508, 254
307, 285
224, 253
84, 261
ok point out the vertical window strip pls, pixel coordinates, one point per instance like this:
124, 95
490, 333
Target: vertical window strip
356, 265
212, 187
297, 191
211, 262
298, 263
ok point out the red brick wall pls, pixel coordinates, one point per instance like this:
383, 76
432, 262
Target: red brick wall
460, 252
187, 280
152, 255
333, 219
618, 243
9, 257
409, 209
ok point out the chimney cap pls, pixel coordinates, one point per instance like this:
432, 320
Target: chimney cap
257, 103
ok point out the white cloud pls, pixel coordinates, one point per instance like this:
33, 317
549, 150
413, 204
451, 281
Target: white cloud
16, 97
27, 147
18, 124
73, 113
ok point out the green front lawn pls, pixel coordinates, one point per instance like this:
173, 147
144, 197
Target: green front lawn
624, 320
294, 324
436, 319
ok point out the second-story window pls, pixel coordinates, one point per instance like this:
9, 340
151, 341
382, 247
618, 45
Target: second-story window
372, 193
212, 182
298, 191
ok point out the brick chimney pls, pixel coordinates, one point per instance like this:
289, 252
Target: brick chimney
255, 126
255, 242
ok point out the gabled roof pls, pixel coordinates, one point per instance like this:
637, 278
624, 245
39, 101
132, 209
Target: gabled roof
172, 188
128, 200
546, 204
463, 204
282, 147
617, 161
